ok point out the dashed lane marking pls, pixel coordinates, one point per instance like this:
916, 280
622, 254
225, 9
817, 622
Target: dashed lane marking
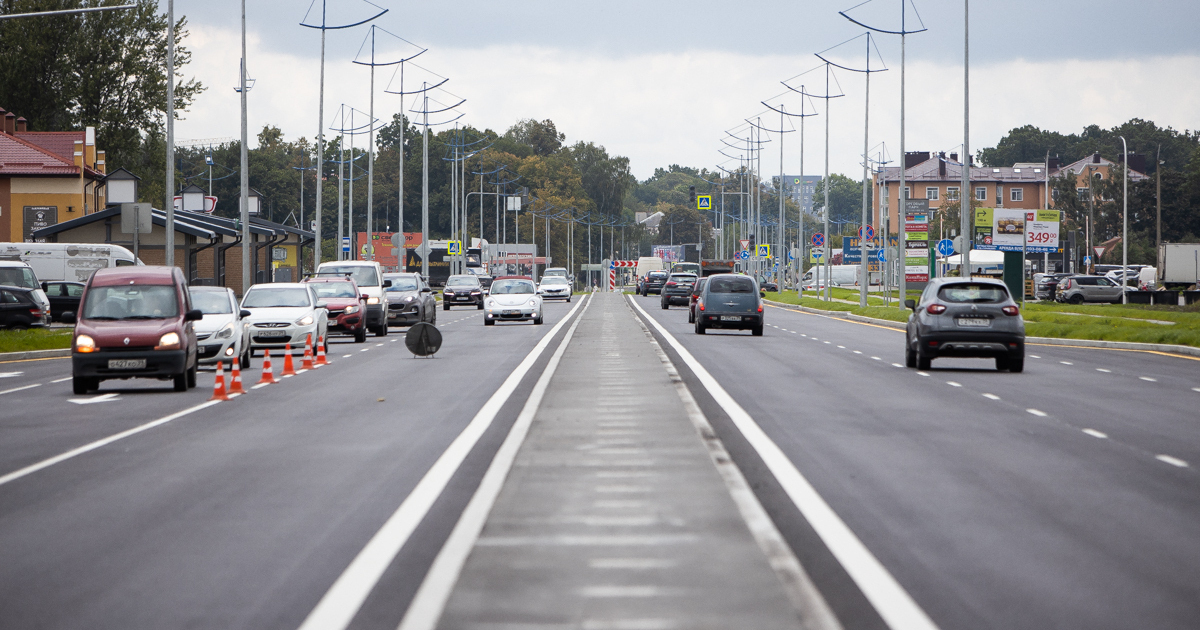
1174, 461
897, 365
10, 374
1147, 378
17, 389
1096, 434
991, 397
1104, 370
1066, 363
1034, 356
62, 380
922, 373
1037, 412
953, 384
347, 356
877, 358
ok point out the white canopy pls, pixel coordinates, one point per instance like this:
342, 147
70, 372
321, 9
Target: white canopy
978, 257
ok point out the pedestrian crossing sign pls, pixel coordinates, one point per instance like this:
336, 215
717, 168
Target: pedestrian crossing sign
764, 251
704, 202
454, 247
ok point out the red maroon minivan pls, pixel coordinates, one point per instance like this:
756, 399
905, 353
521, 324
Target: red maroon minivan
134, 322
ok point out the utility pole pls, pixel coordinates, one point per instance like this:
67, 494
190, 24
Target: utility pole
170, 201
966, 216
247, 249
1125, 222
1158, 199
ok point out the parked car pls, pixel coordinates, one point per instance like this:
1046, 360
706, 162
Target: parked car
697, 289
957, 317
63, 297
68, 261
512, 298
221, 333
345, 305
839, 276
730, 301
1045, 285
1132, 273
409, 299
555, 288
134, 322
677, 289
462, 290
368, 275
283, 313
653, 282
14, 273
19, 308
1080, 289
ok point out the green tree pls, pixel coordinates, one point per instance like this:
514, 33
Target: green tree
845, 198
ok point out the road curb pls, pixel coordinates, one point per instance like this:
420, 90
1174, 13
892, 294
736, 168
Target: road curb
34, 354
1049, 341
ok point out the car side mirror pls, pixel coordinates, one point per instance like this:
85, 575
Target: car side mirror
68, 317
193, 315
322, 304
244, 314
911, 304
45, 286
387, 283
426, 290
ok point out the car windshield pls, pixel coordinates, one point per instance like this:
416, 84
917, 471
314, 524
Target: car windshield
683, 277
364, 275
212, 302
276, 297
973, 293
731, 285
18, 277
657, 275
554, 280
502, 287
334, 289
402, 283
556, 272
131, 301
462, 281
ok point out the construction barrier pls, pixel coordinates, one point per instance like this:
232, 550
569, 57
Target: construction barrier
268, 376
235, 384
288, 368
219, 384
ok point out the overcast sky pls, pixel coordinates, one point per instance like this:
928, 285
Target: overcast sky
661, 82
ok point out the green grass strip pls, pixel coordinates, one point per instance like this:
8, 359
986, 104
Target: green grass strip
35, 339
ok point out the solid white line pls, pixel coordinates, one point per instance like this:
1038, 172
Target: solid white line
1036, 412
891, 601
17, 389
347, 594
1174, 461
430, 600
46, 463
62, 380
1096, 434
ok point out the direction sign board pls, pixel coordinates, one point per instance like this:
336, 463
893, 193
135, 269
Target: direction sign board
818, 239
704, 202
346, 244
945, 247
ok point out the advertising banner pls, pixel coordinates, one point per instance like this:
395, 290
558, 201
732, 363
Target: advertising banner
1005, 229
668, 253
916, 240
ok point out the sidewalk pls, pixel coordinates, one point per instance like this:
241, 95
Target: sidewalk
614, 516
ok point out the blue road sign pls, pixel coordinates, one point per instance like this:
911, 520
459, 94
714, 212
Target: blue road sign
882, 255
870, 233
346, 243
454, 247
743, 254
945, 247
1087, 260
818, 239
704, 202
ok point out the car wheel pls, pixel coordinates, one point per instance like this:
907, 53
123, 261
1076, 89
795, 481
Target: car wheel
81, 385
479, 306
433, 318
445, 306
1002, 364
191, 377
382, 331
489, 322
923, 363
665, 305
1076, 299
691, 317
1016, 364
538, 321
181, 382
360, 335
699, 327
245, 360
757, 331
568, 300
910, 355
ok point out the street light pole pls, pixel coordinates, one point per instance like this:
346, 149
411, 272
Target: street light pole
966, 217
1125, 222
170, 201
247, 250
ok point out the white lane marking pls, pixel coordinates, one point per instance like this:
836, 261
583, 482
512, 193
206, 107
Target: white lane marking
347, 356
858, 352
46, 463
430, 599
1196, 389
1066, 363
991, 397
394, 341
62, 380
1147, 378
1037, 412
630, 623
826, 342
364, 349
792, 331
95, 399
17, 389
378, 345
346, 595
1096, 434
877, 358
891, 601
1104, 370
634, 564
1174, 461
260, 385
613, 590
842, 347
897, 365
1034, 356
953, 384
923, 373
10, 374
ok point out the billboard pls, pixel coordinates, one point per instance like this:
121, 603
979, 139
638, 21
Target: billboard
1010, 230
668, 253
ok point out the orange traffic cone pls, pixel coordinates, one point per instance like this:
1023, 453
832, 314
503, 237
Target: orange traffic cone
288, 368
321, 360
308, 354
219, 385
268, 376
235, 381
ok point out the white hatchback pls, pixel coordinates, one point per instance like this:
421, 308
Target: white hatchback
512, 299
284, 313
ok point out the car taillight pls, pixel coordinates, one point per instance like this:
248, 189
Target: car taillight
700, 304
670, 284
35, 311
760, 307
1011, 310
935, 309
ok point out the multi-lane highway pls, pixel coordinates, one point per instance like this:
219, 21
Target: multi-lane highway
611, 469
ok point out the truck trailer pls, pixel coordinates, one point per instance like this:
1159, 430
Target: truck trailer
1178, 265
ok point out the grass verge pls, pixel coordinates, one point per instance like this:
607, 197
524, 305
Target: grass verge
35, 339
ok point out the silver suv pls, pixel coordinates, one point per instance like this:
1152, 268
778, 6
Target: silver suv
1080, 289
965, 318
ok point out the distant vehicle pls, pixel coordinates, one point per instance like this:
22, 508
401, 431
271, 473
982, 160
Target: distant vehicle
221, 333
368, 275
63, 296
284, 313
462, 290
653, 282
512, 298
134, 322
730, 301
15, 273
484, 279
697, 289
439, 263
686, 267
1132, 273
1080, 289
556, 271
345, 305
678, 289
19, 308
409, 299
645, 265
957, 317
555, 288
1147, 279
715, 266
839, 276
1045, 287
68, 261
1178, 265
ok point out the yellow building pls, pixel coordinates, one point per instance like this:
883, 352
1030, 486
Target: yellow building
46, 177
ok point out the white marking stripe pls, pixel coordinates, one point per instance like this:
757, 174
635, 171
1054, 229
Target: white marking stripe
1036, 412
1104, 370
1147, 378
1174, 461
953, 384
62, 380
1096, 434
343, 599
891, 601
991, 396
17, 389
46, 463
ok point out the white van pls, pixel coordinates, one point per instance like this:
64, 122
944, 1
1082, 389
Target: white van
368, 275
839, 276
73, 262
646, 264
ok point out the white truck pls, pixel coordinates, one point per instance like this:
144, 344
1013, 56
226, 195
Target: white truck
73, 262
1178, 265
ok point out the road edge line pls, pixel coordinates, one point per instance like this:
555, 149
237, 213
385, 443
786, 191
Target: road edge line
897, 608
342, 601
429, 603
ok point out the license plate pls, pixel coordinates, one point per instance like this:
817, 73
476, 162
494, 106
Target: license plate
731, 318
272, 333
974, 322
126, 364
462, 298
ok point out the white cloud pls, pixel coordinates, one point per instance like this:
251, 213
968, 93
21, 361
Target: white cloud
665, 108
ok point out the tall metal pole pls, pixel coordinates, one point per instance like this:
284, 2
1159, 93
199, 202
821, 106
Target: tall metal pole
247, 250
865, 278
425, 183
170, 200
780, 254
371, 159
321, 157
1125, 222
354, 251
902, 206
341, 185
966, 216
828, 236
400, 159
1158, 198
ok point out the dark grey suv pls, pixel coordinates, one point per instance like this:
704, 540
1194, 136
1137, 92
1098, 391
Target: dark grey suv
678, 289
730, 301
965, 318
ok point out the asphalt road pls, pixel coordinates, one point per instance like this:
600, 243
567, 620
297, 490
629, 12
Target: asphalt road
1066, 496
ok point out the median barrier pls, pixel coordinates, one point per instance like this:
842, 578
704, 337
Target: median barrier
1139, 297
1166, 298
1191, 297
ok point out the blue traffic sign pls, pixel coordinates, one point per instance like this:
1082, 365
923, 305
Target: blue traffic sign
870, 233
882, 255
346, 243
743, 254
945, 247
818, 239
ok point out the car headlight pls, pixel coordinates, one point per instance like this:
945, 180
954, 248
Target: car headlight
84, 343
490, 303
307, 320
447, 292
169, 341
351, 309
225, 332
372, 300
409, 300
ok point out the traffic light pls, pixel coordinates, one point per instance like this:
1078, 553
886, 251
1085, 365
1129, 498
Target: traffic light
692, 195
752, 243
